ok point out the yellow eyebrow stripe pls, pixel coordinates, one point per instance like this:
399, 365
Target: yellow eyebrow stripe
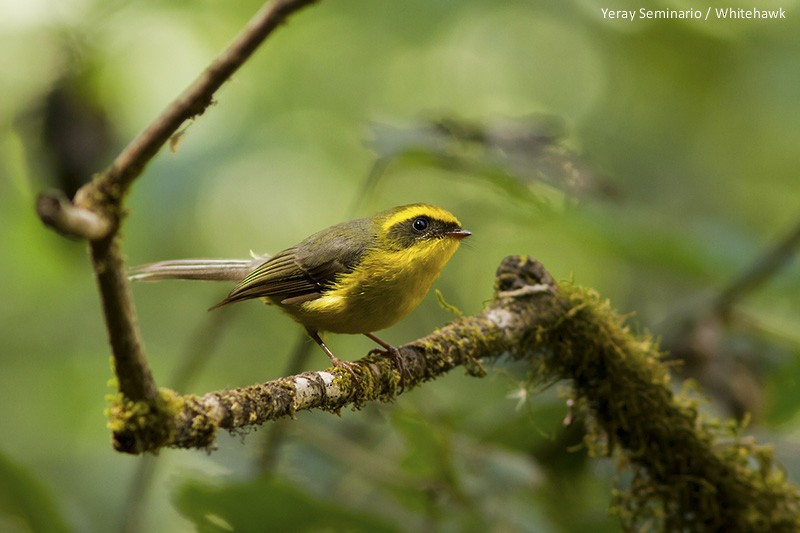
416, 210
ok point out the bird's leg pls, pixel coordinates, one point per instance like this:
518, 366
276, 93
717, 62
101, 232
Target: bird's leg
393, 353
338, 363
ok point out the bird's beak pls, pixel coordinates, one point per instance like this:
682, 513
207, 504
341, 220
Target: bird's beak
459, 234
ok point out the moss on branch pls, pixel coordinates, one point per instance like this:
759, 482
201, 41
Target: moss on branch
689, 473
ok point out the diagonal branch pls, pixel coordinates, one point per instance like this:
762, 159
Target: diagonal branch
525, 298
104, 194
760, 271
98, 210
689, 473
130, 163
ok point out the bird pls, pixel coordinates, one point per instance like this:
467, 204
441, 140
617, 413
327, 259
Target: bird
356, 277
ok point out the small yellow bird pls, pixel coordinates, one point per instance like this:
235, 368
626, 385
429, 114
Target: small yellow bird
359, 276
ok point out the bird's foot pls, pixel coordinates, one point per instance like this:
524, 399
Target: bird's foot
397, 358
350, 367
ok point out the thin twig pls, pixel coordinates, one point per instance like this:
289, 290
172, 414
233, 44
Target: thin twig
760, 271
98, 206
111, 186
134, 378
57, 212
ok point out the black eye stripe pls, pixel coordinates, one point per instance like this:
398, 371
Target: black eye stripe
412, 230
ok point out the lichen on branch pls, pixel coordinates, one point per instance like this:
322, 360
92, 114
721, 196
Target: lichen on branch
689, 473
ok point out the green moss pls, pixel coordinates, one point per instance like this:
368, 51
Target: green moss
687, 473
138, 426
368, 387
444, 304
452, 347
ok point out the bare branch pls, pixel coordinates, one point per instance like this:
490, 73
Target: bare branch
766, 266
109, 188
57, 212
130, 363
97, 210
688, 473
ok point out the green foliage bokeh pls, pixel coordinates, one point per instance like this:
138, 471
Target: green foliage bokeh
696, 123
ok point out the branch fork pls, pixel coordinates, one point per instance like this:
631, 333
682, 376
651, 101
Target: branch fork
688, 474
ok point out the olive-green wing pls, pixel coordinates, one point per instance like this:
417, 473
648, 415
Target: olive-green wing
279, 277
305, 271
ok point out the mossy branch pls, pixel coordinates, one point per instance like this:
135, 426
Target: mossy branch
689, 473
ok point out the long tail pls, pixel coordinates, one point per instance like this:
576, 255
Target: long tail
196, 269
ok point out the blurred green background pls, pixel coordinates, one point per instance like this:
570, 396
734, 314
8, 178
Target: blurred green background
694, 124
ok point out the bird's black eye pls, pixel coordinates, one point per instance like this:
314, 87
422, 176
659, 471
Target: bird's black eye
420, 224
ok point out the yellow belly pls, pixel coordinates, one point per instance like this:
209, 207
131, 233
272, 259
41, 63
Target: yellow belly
380, 292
